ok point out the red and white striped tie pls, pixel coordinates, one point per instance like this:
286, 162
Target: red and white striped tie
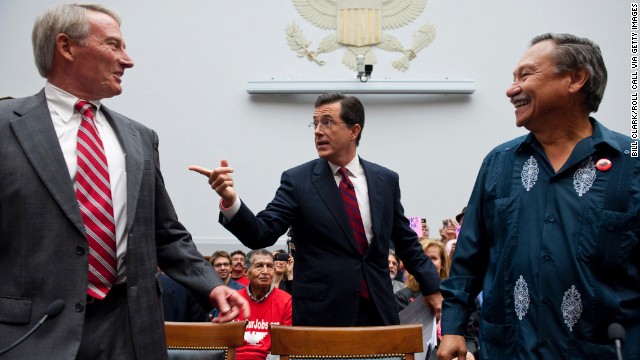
93, 191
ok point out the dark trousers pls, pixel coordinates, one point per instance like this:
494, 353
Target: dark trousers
107, 328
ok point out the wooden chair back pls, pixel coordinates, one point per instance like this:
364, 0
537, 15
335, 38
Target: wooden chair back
397, 342
204, 340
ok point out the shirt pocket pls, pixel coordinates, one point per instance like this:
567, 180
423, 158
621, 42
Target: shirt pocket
14, 310
498, 341
607, 239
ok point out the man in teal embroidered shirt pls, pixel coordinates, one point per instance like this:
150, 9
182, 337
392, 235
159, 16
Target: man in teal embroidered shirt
551, 232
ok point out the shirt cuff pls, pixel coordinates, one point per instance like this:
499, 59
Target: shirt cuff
231, 211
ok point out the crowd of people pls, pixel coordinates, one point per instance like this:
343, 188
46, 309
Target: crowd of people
547, 247
269, 289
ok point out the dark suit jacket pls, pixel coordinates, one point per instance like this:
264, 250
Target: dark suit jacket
43, 249
178, 304
328, 267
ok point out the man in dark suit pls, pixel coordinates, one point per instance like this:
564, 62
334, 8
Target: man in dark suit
71, 180
341, 270
178, 304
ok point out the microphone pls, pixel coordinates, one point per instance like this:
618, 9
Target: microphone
616, 334
53, 310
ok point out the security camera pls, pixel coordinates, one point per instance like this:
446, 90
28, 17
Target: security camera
368, 69
364, 71
360, 62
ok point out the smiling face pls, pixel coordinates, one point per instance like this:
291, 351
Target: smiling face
223, 267
539, 93
99, 64
338, 143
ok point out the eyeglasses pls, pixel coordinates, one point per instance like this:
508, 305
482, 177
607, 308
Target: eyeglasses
325, 124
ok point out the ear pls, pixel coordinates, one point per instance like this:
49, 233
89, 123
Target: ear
578, 79
355, 131
64, 47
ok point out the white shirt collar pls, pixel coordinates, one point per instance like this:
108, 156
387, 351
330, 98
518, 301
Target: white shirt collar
353, 166
63, 102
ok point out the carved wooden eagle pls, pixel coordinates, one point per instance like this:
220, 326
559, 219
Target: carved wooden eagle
360, 25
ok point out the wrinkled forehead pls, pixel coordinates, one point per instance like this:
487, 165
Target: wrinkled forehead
261, 260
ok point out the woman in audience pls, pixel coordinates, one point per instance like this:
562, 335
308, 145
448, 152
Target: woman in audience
436, 251
283, 269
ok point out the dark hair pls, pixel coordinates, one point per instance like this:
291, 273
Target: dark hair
238, 252
352, 111
575, 53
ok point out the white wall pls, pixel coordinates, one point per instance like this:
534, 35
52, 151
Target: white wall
194, 58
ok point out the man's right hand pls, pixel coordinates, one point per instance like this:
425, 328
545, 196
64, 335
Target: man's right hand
434, 302
452, 347
221, 181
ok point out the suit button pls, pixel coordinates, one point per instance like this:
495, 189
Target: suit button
356, 292
79, 307
80, 250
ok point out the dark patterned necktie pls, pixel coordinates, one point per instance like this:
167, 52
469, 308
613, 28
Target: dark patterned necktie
93, 191
355, 220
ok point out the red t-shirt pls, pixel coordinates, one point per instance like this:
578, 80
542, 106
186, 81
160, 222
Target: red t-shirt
274, 309
244, 280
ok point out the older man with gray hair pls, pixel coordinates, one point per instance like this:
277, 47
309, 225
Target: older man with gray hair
552, 230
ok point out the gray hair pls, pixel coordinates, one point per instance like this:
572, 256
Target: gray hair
252, 253
575, 53
70, 19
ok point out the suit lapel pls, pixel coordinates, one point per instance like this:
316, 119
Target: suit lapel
324, 182
375, 185
129, 138
37, 136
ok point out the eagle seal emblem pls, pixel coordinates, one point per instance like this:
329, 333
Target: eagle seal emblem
359, 26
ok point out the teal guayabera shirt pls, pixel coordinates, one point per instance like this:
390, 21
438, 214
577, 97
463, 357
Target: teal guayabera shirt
557, 255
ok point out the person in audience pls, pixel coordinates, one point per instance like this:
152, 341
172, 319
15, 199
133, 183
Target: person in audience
551, 233
435, 250
178, 304
340, 274
394, 262
238, 267
283, 278
425, 229
460, 217
221, 262
268, 304
448, 230
451, 249
81, 224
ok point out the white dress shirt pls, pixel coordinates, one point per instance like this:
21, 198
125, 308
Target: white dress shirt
66, 121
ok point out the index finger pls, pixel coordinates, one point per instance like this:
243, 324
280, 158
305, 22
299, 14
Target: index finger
199, 169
